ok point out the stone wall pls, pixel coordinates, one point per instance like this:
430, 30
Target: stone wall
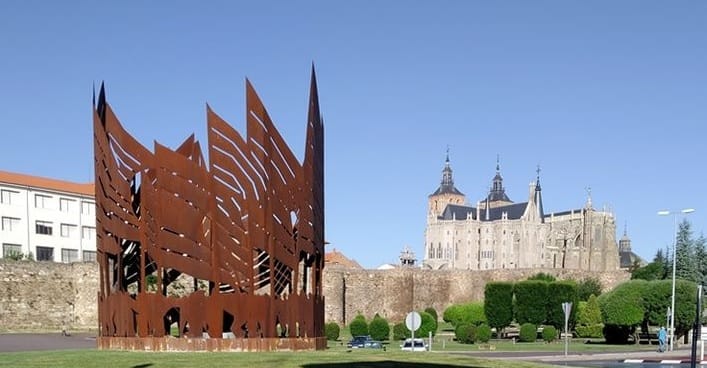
393, 293
47, 296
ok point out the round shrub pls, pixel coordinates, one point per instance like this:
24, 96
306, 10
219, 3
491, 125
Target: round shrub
400, 332
549, 333
427, 325
379, 328
433, 312
453, 314
358, 326
528, 332
332, 331
465, 333
483, 333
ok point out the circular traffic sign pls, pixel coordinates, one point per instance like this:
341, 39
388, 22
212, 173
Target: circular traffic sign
413, 321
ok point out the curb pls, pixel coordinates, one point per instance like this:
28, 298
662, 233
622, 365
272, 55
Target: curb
662, 361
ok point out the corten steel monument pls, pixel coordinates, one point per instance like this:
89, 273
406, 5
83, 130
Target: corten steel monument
245, 234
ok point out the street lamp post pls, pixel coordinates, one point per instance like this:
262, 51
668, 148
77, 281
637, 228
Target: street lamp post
675, 244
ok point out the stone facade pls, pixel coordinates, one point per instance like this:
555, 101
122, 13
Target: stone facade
50, 296
500, 234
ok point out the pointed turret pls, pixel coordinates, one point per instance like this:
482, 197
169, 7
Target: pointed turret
539, 197
497, 194
446, 193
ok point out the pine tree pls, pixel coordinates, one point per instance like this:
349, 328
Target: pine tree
701, 258
685, 261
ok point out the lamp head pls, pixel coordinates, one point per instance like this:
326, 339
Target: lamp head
663, 213
688, 210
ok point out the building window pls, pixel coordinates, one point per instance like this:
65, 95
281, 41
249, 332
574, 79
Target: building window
8, 196
69, 255
68, 231
89, 256
41, 201
10, 223
66, 205
43, 227
45, 253
87, 208
88, 233
9, 250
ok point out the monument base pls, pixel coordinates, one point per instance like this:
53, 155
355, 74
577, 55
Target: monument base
169, 343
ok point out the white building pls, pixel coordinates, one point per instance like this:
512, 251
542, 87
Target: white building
51, 220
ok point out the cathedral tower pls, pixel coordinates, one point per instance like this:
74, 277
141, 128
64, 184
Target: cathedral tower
446, 193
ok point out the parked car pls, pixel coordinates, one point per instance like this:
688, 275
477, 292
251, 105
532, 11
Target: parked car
364, 342
414, 345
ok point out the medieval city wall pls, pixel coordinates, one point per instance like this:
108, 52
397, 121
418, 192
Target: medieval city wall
49, 296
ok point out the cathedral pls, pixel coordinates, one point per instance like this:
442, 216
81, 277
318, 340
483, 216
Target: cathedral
497, 233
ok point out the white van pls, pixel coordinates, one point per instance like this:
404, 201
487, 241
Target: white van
416, 345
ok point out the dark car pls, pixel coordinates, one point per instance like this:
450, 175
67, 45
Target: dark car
361, 342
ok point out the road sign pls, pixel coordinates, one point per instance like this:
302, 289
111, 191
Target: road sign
413, 321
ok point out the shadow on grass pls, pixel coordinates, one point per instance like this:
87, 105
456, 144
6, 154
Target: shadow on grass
383, 364
142, 365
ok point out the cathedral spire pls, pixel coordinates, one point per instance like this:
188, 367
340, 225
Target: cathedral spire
538, 196
498, 192
447, 184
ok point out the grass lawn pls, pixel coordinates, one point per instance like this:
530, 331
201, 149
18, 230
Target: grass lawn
329, 358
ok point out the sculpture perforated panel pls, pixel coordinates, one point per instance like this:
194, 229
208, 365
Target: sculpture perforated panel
246, 233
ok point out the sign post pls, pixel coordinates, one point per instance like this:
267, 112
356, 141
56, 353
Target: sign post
567, 308
413, 321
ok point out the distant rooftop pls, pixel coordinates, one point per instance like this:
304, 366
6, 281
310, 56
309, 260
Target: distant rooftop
46, 183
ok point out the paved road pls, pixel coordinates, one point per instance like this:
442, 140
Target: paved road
46, 341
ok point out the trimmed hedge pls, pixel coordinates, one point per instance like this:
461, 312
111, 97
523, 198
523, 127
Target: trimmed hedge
400, 332
379, 329
549, 334
465, 333
483, 333
453, 314
332, 331
358, 326
427, 325
432, 312
528, 333
559, 292
531, 302
498, 304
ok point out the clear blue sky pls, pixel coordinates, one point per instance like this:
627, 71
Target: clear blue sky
606, 94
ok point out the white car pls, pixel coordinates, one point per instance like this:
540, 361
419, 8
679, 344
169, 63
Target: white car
414, 345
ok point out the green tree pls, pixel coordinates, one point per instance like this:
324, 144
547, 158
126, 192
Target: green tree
685, 301
400, 332
685, 261
433, 312
332, 331
531, 302
465, 333
558, 293
427, 325
542, 276
549, 333
528, 332
453, 314
649, 272
589, 322
589, 286
483, 333
473, 313
701, 258
498, 304
656, 301
622, 310
359, 326
379, 328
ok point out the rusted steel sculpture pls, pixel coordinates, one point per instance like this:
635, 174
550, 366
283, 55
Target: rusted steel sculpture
246, 233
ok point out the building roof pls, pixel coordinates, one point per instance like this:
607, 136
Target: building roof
336, 258
461, 212
46, 183
627, 259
